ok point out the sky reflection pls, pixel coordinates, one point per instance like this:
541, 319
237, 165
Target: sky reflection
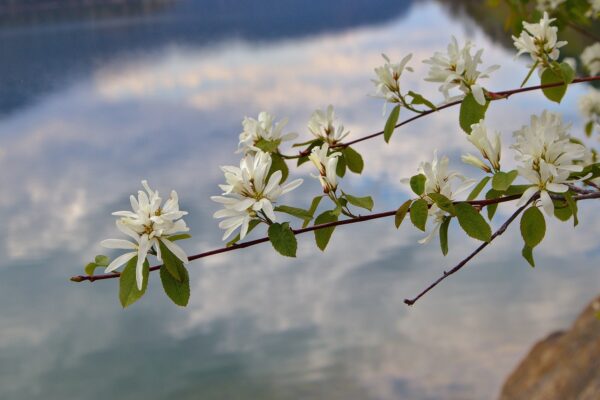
326, 325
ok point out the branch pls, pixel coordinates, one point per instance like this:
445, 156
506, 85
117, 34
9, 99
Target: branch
362, 218
499, 232
584, 32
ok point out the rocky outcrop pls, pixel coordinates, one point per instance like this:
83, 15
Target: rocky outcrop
564, 366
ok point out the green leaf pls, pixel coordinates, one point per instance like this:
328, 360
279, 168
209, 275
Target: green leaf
170, 261
533, 226
354, 160
527, 254
362, 202
573, 206
443, 202
401, 213
589, 128
502, 180
471, 112
102, 260
128, 291
91, 267
491, 209
268, 146
180, 236
564, 73
417, 184
390, 125
253, 224
444, 234
418, 213
278, 164
516, 189
304, 143
177, 290
295, 212
283, 239
341, 166
322, 236
562, 211
478, 188
472, 222
419, 99
313, 207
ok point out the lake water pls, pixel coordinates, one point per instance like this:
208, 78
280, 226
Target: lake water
89, 107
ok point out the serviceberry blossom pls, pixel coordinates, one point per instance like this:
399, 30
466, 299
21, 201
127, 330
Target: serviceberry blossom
263, 134
458, 69
249, 193
547, 156
489, 149
387, 83
322, 126
438, 179
589, 106
540, 40
149, 225
549, 5
327, 165
590, 57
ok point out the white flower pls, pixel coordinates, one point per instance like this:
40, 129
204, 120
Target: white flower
387, 83
594, 10
547, 156
458, 69
248, 192
548, 5
322, 125
540, 41
476, 162
490, 150
438, 179
589, 106
148, 225
590, 57
261, 131
327, 165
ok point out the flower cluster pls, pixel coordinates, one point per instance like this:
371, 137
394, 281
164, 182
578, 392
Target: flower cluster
489, 149
387, 83
150, 224
262, 134
589, 105
250, 192
590, 57
322, 126
547, 157
540, 40
458, 69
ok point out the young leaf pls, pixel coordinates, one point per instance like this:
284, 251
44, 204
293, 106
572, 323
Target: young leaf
472, 222
417, 184
279, 164
354, 160
268, 146
102, 261
419, 99
527, 254
91, 267
478, 188
444, 234
401, 213
313, 207
491, 209
283, 239
562, 211
128, 291
442, 202
563, 74
589, 128
295, 212
533, 226
471, 112
418, 213
362, 202
573, 206
177, 290
390, 125
322, 236
502, 180
179, 236
341, 167
170, 261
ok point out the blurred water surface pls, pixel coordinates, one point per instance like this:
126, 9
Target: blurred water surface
92, 106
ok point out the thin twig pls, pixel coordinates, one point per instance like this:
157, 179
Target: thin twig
499, 232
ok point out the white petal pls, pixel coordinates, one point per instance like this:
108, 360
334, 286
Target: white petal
118, 244
175, 249
117, 262
547, 203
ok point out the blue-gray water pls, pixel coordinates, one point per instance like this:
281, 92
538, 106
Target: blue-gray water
90, 108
